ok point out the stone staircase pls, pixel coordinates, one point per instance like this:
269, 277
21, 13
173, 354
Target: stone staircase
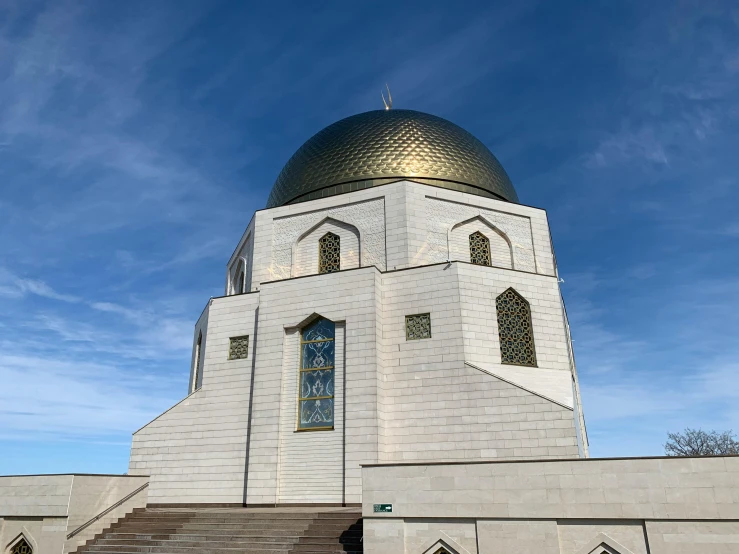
232, 531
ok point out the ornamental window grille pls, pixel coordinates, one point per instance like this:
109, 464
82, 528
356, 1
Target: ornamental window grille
22, 547
480, 249
238, 348
418, 326
515, 329
316, 382
329, 253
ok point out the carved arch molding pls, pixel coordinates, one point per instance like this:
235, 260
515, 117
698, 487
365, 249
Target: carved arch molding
368, 217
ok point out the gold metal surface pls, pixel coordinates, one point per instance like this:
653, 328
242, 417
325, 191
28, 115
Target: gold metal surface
375, 146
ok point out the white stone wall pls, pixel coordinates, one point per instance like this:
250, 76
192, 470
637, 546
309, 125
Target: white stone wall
45, 508
434, 406
693, 537
195, 452
517, 536
459, 242
310, 462
478, 289
305, 252
436, 211
400, 225
442, 216
367, 217
93, 494
347, 297
44, 534
574, 536
445, 398
637, 506
35, 495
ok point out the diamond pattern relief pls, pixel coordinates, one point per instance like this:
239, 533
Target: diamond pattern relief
515, 330
390, 143
418, 326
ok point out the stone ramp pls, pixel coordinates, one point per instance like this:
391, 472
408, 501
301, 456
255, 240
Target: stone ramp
232, 531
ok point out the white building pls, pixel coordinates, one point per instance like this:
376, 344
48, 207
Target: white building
413, 280
395, 307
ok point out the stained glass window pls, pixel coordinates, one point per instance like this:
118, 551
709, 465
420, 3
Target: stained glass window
480, 249
22, 547
329, 253
316, 396
418, 326
238, 348
515, 330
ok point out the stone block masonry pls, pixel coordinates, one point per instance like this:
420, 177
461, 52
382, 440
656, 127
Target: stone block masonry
622, 506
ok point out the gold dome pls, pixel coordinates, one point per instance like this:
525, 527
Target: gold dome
382, 146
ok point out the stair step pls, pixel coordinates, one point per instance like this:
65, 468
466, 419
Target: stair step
229, 534
194, 531
243, 514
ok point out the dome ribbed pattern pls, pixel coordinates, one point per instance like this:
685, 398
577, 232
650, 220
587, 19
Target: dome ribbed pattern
375, 146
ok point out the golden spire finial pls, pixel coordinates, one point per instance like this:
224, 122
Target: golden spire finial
389, 102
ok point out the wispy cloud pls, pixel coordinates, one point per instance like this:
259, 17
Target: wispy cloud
137, 139
53, 400
42, 289
625, 146
661, 360
11, 285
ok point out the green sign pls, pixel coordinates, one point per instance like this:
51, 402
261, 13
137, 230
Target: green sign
384, 508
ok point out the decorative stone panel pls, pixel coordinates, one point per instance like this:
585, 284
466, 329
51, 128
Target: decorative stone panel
368, 217
238, 348
418, 327
442, 215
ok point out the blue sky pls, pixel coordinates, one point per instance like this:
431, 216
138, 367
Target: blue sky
137, 139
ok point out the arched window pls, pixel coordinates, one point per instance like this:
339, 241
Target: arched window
316, 396
329, 253
22, 547
197, 380
242, 278
239, 278
515, 330
480, 249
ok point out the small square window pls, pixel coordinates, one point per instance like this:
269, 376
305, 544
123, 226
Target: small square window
238, 348
418, 326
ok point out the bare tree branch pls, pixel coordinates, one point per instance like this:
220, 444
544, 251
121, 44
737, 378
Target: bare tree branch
697, 442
